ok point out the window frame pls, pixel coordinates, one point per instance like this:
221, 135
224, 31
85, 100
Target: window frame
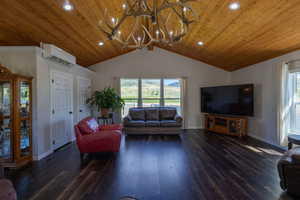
161, 99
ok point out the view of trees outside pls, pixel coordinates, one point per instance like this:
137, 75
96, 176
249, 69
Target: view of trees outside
172, 93
130, 93
150, 93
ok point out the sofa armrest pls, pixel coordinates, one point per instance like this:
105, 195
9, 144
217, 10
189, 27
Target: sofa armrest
178, 119
296, 156
7, 190
285, 160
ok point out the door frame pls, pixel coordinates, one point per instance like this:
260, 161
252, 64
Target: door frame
78, 78
71, 77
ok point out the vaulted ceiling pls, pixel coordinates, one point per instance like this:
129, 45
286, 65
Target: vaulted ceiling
259, 30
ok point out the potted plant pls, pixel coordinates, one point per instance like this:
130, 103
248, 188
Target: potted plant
105, 100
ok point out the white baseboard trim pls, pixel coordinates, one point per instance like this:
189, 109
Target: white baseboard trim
194, 127
265, 141
43, 155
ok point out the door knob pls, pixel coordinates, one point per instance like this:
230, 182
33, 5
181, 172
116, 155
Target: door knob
80, 110
70, 112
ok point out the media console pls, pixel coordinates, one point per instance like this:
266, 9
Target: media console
235, 126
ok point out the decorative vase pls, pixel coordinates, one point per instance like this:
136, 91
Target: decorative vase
105, 112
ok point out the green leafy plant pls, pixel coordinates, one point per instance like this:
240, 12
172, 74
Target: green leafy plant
106, 99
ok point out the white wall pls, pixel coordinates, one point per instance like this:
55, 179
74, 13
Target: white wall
44, 68
161, 63
265, 76
28, 61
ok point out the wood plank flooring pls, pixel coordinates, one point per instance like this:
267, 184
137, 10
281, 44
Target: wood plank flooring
193, 166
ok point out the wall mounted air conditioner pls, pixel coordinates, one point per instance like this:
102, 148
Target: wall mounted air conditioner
54, 53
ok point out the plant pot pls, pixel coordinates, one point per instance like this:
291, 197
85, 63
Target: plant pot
105, 112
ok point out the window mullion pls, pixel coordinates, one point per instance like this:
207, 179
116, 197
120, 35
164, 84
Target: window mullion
162, 94
140, 101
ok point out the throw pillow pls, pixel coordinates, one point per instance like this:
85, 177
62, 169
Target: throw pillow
152, 114
167, 114
88, 125
137, 114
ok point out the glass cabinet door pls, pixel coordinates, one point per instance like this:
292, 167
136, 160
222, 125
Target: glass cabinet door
25, 123
5, 120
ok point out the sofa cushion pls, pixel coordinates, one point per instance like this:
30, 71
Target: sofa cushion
110, 127
88, 125
167, 113
135, 123
137, 114
152, 114
169, 123
152, 123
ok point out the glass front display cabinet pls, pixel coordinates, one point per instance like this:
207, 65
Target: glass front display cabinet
15, 119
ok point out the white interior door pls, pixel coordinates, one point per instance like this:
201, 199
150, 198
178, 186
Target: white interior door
62, 108
84, 92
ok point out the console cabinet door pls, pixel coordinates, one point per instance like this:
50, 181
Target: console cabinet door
6, 132
25, 118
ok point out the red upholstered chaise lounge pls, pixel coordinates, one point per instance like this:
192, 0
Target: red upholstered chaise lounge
91, 138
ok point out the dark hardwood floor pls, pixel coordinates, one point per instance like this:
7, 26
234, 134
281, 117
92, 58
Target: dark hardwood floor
196, 165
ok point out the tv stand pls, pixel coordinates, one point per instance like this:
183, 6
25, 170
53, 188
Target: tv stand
235, 126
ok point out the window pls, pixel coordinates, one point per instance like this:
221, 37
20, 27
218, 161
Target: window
172, 93
295, 118
151, 93
130, 93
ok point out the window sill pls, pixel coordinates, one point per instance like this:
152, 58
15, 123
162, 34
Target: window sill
295, 132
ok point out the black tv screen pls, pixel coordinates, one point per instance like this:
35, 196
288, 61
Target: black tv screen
228, 100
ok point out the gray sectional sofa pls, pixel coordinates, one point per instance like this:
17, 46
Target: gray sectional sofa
152, 120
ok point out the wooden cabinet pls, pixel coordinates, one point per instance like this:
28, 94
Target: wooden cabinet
235, 126
15, 119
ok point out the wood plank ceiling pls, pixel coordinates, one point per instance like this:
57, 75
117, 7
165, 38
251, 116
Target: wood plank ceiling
260, 30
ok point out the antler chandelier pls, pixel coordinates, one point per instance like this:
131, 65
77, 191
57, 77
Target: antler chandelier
149, 21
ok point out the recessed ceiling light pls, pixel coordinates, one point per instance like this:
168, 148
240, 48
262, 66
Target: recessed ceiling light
124, 6
234, 6
68, 7
101, 43
200, 43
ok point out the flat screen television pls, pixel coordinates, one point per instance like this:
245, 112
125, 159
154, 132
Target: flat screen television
228, 100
